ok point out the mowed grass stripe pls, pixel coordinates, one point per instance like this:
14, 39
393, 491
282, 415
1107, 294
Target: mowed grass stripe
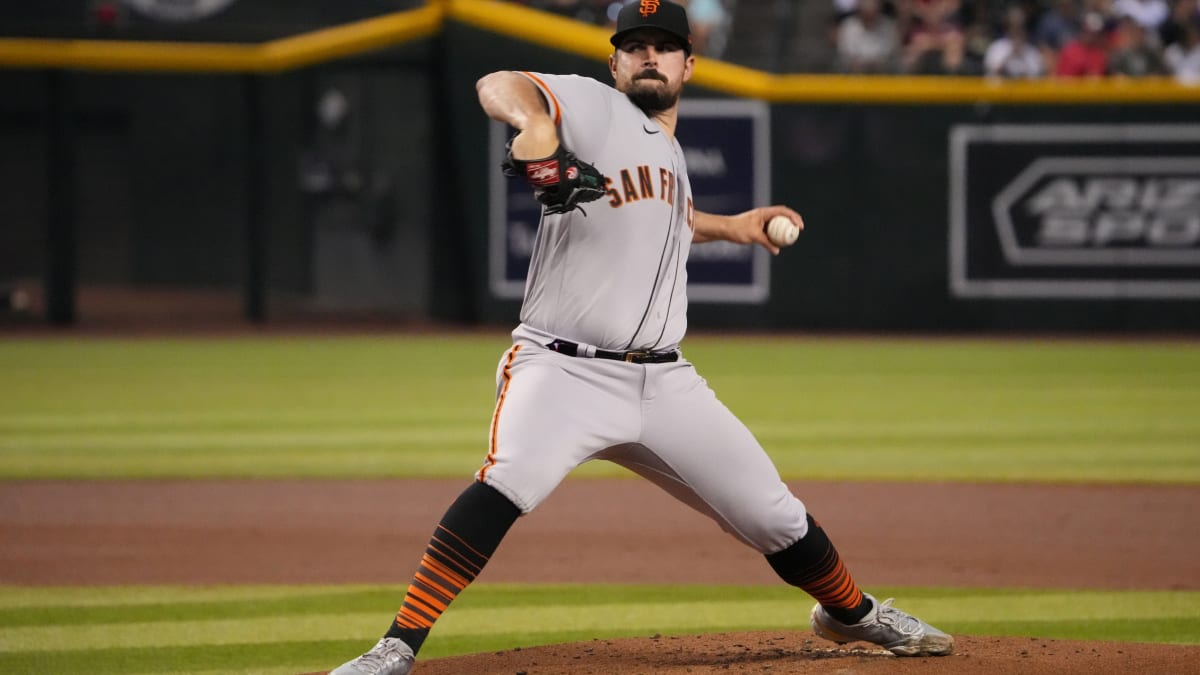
378, 415
96, 598
354, 463
61, 607
265, 658
1183, 430
69, 599
224, 439
1050, 462
61, 611
280, 656
596, 619
484, 610
1089, 456
373, 603
938, 409
378, 602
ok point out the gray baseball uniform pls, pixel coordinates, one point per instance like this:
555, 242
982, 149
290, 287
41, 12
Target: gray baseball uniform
595, 370
615, 279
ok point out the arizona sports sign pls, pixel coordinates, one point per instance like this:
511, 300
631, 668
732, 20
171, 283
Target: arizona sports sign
1075, 211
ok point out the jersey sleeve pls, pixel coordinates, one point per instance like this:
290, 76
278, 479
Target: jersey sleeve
581, 108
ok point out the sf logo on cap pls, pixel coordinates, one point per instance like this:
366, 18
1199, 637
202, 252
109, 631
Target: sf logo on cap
649, 7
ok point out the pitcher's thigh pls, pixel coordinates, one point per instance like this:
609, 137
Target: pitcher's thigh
713, 454
547, 421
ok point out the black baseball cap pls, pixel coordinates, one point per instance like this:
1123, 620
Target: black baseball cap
661, 14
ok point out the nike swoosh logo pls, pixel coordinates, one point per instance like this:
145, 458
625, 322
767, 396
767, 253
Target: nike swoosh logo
649, 131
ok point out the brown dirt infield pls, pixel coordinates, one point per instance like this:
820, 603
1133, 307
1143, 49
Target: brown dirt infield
782, 653
626, 531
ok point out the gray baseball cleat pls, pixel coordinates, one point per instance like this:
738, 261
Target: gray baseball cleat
896, 631
389, 656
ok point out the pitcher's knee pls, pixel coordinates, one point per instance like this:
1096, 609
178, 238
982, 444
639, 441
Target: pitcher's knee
774, 526
521, 498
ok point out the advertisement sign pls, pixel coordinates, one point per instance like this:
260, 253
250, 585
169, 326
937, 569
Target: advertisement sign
1075, 211
727, 146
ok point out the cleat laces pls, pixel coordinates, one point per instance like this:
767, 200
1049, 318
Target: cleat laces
900, 621
378, 660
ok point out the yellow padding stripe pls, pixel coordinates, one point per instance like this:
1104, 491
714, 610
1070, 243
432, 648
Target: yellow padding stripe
554, 32
123, 55
274, 56
968, 90
354, 38
531, 25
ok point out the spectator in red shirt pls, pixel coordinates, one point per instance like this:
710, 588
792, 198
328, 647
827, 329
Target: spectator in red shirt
934, 44
1087, 54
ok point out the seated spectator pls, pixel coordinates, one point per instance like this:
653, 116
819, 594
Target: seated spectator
1183, 14
1054, 28
1103, 8
1183, 57
843, 9
710, 26
1011, 55
1087, 54
611, 12
1134, 55
901, 12
867, 41
1149, 14
979, 32
934, 46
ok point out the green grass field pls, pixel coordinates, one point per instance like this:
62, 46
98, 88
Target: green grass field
960, 410
288, 630
824, 409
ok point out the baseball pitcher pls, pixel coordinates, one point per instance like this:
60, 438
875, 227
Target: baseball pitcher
595, 370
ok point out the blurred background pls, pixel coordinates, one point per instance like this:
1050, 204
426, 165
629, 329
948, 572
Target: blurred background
962, 166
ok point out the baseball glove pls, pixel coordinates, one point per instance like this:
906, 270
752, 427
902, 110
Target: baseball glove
561, 181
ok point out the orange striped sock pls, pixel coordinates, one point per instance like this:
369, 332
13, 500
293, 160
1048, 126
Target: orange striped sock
461, 545
449, 564
814, 565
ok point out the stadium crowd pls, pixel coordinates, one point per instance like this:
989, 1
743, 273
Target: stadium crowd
1014, 39
710, 19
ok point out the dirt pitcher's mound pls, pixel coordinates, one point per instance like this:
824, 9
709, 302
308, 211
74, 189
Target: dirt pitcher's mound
793, 653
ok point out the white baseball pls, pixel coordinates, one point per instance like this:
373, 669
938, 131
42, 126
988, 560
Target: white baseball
782, 231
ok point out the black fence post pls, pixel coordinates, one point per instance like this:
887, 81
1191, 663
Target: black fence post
255, 299
61, 193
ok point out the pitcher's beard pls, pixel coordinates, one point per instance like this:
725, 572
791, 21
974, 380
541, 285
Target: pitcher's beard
652, 99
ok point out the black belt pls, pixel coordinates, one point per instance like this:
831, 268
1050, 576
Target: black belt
572, 349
